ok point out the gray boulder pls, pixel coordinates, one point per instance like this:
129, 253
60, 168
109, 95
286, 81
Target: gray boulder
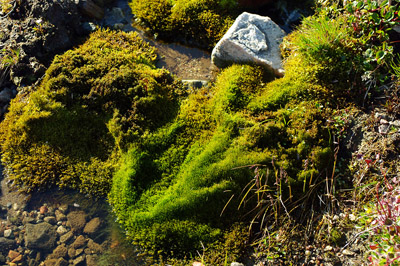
41, 236
251, 39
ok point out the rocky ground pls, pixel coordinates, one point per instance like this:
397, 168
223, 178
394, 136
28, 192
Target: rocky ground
59, 228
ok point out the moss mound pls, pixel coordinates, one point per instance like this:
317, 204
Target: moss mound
187, 171
201, 23
94, 101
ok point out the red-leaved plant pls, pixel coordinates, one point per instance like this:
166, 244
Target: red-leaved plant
385, 241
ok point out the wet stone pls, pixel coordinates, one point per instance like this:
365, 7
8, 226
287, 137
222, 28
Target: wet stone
50, 219
91, 260
8, 233
59, 252
77, 220
63, 208
60, 216
13, 254
67, 237
41, 236
61, 230
43, 209
79, 242
79, 261
71, 253
92, 226
94, 248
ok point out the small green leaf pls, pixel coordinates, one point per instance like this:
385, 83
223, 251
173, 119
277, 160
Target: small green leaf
349, 8
389, 16
375, 18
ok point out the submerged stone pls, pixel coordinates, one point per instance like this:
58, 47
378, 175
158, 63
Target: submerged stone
41, 236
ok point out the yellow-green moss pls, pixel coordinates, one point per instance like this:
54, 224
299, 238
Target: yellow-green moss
93, 102
202, 22
188, 170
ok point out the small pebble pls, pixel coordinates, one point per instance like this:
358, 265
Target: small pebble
348, 252
8, 233
43, 209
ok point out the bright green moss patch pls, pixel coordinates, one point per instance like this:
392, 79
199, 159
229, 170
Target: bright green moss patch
202, 22
94, 101
187, 171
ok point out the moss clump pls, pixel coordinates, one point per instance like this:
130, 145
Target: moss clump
202, 23
187, 171
93, 102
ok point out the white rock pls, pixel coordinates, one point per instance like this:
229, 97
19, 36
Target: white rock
348, 252
251, 39
328, 248
61, 230
8, 233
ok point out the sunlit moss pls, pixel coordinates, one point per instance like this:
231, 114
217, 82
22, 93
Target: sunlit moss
202, 23
93, 102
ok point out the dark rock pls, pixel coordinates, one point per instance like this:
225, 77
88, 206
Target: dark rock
5, 96
90, 9
254, 3
7, 244
50, 219
28, 219
41, 236
114, 16
38, 31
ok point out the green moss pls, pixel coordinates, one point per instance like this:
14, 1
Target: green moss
188, 170
94, 101
202, 23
